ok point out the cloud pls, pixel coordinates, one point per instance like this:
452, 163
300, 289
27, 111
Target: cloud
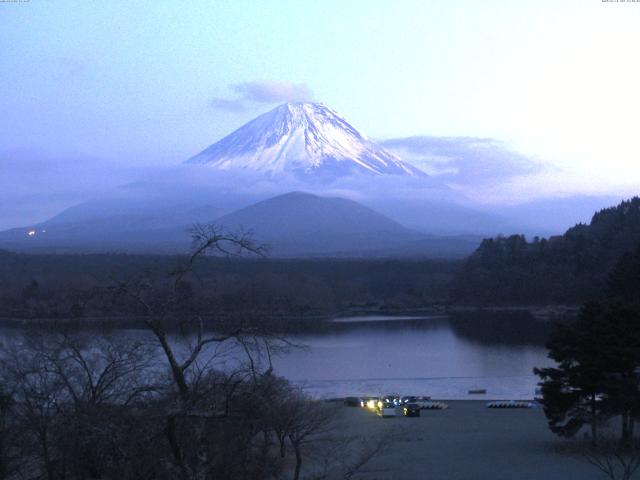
271, 92
464, 160
247, 94
35, 185
235, 105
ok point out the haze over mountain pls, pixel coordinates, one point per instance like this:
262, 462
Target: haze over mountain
296, 147
295, 224
299, 223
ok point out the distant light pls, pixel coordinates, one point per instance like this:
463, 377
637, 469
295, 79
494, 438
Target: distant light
31, 233
44, 231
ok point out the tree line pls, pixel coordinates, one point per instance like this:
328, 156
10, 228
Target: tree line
569, 269
70, 286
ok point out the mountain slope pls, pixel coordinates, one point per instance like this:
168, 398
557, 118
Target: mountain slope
293, 225
299, 223
128, 223
308, 140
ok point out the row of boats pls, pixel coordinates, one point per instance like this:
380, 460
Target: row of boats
510, 404
410, 406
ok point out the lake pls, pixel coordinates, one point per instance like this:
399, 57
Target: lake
440, 356
443, 356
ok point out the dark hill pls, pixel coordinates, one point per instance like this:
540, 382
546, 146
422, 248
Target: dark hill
565, 269
302, 224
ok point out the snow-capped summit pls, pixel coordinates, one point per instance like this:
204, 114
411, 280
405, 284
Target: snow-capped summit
308, 140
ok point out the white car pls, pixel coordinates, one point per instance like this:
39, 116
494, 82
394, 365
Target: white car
386, 409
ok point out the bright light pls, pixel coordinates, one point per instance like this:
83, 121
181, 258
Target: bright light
371, 404
31, 233
379, 404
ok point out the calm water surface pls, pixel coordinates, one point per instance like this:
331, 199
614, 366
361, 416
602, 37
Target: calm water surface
440, 356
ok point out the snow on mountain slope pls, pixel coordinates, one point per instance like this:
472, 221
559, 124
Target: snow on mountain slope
308, 140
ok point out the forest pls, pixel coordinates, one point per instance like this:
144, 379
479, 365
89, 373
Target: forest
567, 269
80, 286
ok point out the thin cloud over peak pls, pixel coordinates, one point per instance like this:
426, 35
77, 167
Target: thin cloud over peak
248, 94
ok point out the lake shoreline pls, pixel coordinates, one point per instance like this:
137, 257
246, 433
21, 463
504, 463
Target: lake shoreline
554, 312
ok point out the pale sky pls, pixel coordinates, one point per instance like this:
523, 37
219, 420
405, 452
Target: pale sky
154, 82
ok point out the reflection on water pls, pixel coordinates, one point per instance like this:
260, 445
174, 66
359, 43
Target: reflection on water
441, 357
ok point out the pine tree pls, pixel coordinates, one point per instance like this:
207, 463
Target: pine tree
596, 377
574, 391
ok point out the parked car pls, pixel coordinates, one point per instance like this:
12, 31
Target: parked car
369, 402
386, 409
411, 410
392, 398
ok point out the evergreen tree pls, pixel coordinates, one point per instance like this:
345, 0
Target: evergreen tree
596, 377
624, 279
570, 268
574, 391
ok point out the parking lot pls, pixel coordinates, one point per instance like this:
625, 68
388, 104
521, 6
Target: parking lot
468, 441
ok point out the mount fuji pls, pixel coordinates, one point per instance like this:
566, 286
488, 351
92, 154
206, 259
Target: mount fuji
307, 140
352, 197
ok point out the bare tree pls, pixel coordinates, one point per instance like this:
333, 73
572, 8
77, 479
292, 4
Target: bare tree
617, 460
370, 449
37, 394
166, 307
97, 370
197, 401
10, 462
345, 456
71, 393
309, 420
318, 436
202, 394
